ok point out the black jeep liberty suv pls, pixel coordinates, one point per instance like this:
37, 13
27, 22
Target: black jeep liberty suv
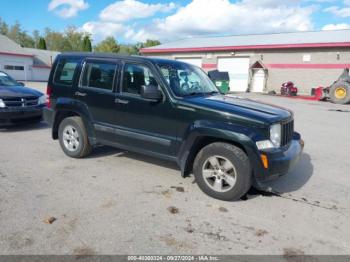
172, 110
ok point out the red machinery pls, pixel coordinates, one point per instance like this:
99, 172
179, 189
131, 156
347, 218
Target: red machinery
338, 92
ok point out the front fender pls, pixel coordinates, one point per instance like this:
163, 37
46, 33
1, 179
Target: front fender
244, 136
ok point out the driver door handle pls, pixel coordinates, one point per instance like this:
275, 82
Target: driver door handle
80, 94
121, 101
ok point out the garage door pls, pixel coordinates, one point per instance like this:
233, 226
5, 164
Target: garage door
15, 70
238, 69
192, 61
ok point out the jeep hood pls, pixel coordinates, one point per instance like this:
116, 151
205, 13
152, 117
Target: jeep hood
17, 91
242, 107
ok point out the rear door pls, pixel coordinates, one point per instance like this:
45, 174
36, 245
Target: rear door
97, 90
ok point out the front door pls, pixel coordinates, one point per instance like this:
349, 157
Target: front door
97, 90
258, 81
145, 125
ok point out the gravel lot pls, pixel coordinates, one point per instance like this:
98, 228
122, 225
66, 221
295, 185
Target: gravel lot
117, 202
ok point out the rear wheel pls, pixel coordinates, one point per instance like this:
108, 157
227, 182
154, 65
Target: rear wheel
73, 137
340, 93
223, 171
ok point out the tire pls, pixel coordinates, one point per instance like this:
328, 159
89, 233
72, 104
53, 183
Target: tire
234, 181
73, 137
340, 93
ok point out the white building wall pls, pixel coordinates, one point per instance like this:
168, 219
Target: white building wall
19, 61
40, 74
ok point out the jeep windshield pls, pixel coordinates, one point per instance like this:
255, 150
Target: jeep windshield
186, 80
6, 80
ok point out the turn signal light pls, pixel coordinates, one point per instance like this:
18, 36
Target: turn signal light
265, 161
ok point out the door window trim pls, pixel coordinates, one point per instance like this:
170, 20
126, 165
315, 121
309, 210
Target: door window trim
115, 76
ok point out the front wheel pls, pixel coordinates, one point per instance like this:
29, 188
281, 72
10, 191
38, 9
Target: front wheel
73, 137
223, 171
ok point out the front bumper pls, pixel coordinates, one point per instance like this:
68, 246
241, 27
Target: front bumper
18, 115
280, 161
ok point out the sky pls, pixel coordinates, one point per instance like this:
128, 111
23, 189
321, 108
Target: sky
131, 21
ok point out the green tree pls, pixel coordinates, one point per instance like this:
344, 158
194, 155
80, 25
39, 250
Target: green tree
70, 40
128, 49
109, 45
56, 41
15, 33
4, 28
75, 38
36, 37
87, 47
42, 44
150, 43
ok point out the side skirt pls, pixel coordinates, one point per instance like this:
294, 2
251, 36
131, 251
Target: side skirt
137, 150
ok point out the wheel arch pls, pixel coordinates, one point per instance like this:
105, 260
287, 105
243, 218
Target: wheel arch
201, 138
64, 111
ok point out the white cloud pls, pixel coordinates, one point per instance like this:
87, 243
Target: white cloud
126, 10
200, 17
336, 26
342, 12
321, 1
67, 8
100, 30
223, 17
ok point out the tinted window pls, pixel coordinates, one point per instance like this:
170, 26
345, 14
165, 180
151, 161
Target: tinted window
99, 75
135, 76
65, 71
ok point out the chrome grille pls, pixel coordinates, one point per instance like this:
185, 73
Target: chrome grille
287, 132
21, 101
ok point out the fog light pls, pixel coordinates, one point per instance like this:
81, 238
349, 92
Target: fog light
2, 104
265, 144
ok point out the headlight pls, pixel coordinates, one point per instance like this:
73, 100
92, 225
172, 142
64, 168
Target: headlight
274, 141
2, 104
42, 100
275, 135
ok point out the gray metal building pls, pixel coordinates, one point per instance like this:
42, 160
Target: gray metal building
261, 63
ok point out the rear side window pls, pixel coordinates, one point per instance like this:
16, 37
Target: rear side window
99, 74
65, 71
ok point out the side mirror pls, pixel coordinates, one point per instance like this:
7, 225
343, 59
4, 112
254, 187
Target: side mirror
20, 83
151, 92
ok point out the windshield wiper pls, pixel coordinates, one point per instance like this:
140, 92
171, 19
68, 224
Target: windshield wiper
212, 93
202, 93
193, 94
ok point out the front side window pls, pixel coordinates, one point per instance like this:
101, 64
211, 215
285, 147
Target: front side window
65, 71
99, 75
185, 79
135, 76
